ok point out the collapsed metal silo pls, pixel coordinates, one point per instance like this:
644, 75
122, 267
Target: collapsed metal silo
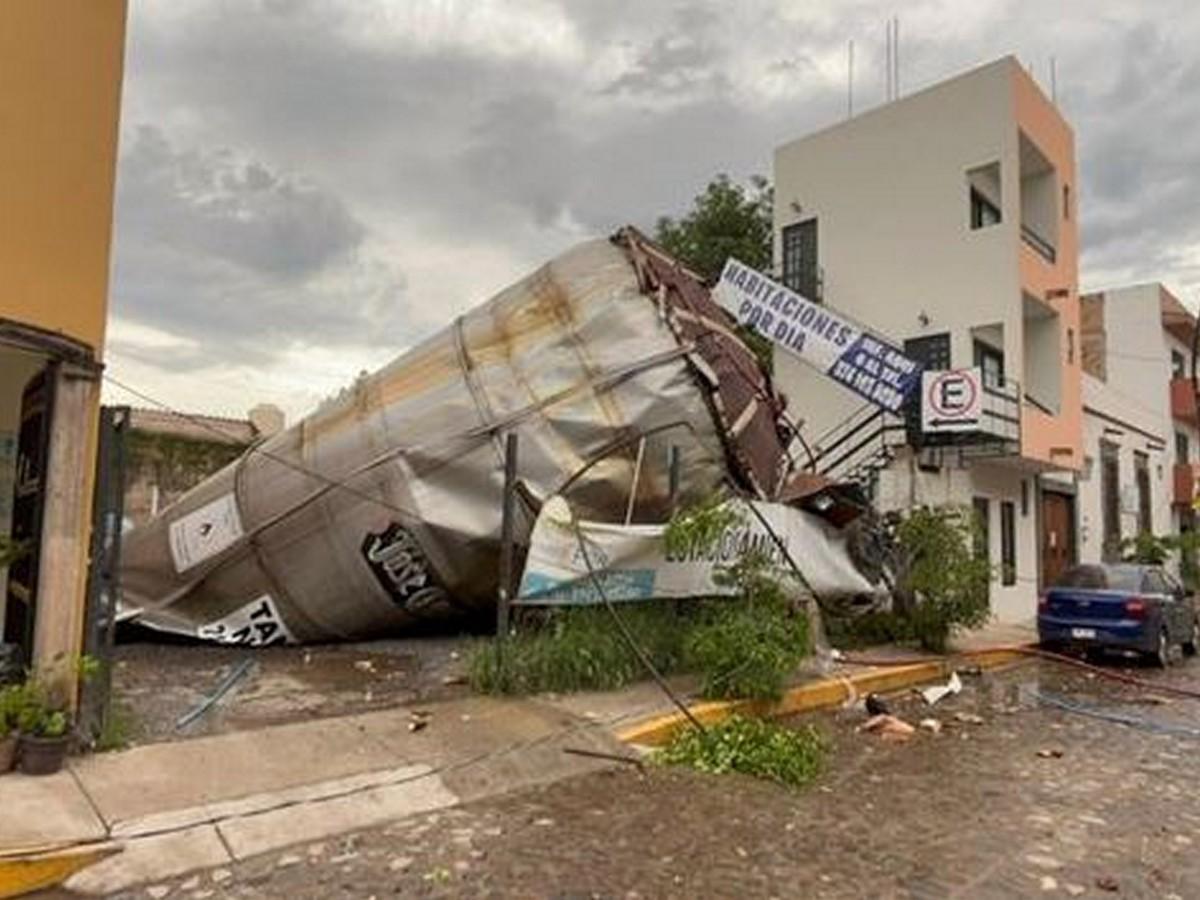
383, 506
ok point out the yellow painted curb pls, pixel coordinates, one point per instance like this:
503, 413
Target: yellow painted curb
824, 694
25, 871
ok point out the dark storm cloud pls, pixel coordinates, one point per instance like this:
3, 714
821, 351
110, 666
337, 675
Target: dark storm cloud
233, 255
344, 129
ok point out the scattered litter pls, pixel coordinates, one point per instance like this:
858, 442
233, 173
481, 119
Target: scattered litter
158, 891
287, 861
220, 875
1108, 883
364, 665
1075, 890
934, 726
933, 694
417, 720
968, 718
972, 671
454, 679
1049, 883
400, 864
1050, 753
877, 706
889, 728
1150, 700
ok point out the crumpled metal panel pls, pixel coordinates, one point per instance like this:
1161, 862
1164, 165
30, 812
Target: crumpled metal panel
382, 507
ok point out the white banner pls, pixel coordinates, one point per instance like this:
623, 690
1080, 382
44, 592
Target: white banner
820, 337
632, 562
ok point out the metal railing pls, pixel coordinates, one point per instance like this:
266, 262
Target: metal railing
1038, 243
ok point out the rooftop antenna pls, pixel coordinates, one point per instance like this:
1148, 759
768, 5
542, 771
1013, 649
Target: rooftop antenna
887, 62
850, 80
1053, 81
896, 57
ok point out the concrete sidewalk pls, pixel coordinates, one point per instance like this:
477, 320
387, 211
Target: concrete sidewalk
210, 801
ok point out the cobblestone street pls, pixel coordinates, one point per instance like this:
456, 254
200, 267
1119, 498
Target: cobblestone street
1031, 801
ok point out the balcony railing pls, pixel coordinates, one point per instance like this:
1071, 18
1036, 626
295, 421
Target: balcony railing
1183, 400
1185, 483
1043, 247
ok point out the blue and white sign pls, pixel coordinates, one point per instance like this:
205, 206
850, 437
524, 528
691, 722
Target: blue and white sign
873, 369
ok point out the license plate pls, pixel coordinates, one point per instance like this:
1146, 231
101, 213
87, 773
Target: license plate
1083, 634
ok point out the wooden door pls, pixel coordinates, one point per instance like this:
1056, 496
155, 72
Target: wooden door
1058, 535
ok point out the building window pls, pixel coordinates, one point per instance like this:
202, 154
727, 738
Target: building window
800, 270
991, 363
933, 352
1110, 501
1182, 450
1178, 365
1141, 469
983, 188
1066, 201
1008, 543
983, 514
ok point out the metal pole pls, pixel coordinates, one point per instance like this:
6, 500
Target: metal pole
673, 476
637, 476
506, 537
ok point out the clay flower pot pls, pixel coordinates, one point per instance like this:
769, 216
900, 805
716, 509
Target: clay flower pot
43, 755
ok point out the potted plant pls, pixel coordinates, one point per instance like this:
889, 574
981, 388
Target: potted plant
8, 727
44, 728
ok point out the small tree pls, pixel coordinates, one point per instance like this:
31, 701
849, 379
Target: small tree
944, 575
726, 220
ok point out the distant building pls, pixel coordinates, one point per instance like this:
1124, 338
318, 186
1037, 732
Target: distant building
945, 221
167, 454
1141, 433
61, 67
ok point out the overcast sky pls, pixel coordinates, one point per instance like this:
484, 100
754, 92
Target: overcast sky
307, 187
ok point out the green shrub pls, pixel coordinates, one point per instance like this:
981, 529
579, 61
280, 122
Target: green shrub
793, 757
747, 650
943, 572
580, 649
868, 630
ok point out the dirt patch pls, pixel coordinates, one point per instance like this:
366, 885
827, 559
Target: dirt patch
156, 684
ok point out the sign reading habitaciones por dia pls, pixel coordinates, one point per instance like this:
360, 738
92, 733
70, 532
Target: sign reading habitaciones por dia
872, 368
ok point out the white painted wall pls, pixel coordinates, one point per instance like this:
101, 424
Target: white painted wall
894, 241
903, 486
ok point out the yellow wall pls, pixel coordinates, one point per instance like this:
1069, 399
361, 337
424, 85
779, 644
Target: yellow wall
60, 84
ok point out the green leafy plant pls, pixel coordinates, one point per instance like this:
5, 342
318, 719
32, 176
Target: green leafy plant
750, 644
579, 649
728, 219
947, 579
1147, 549
763, 749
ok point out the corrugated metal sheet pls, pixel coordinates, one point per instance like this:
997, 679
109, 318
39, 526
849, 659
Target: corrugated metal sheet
383, 507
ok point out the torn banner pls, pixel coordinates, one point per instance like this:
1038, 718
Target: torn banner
632, 562
382, 507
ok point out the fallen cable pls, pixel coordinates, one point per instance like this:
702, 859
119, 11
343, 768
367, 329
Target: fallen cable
626, 635
240, 671
1118, 718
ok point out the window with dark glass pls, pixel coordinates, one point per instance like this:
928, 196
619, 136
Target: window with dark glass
983, 211
800, 270
1141, 469
1110, 501
1183, 451
1178, 365
1008, 543
991, 363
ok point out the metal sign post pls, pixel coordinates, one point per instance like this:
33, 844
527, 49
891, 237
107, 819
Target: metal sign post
504, 595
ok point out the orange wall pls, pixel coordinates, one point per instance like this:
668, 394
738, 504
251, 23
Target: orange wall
61, 64
1046, 437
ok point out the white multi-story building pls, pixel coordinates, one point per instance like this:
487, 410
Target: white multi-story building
945, 221
1140, 426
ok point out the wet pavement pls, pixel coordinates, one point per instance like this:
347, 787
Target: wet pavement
1013, 798
156, 684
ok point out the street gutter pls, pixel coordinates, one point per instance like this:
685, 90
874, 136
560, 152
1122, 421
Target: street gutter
826, 693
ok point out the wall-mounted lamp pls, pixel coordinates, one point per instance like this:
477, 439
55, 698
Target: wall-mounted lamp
796, 207
923, 319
